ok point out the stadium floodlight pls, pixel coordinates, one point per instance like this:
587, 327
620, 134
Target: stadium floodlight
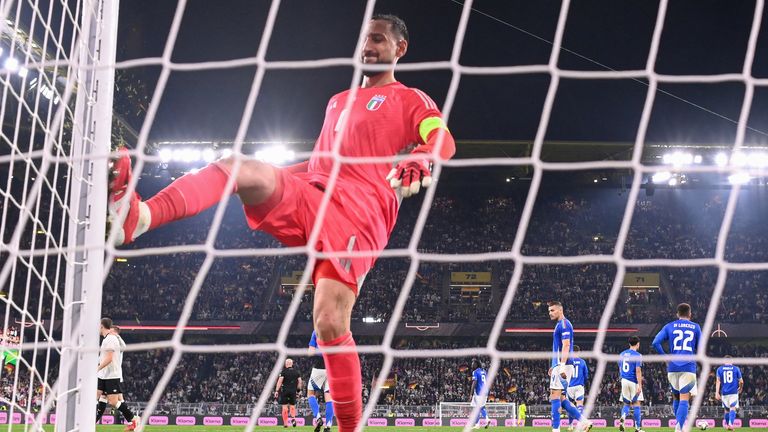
721, 159
275, 155
739, 178
697, 159
190, 155
11, 64
673, 181
661, 177
208, 155
23, 72
739, 159
758, 159
678, 158
166, 155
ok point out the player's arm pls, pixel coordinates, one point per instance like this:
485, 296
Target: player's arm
639, 374
435, 140
717, 387
657, 341
566, 351
741, 385
311, 350
108, 355
300, 386
472, 390
278, 385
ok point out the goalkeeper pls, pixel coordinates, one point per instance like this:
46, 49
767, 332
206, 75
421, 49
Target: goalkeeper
385, 119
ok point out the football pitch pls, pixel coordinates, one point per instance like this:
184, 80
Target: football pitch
117, 428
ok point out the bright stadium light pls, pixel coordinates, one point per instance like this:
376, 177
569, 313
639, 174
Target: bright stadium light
739, 178
758, 159
208, 155
166, 155
190, 155
275, 155
226, 153
739, 159
673, 181
11, 64
721, 159
677, 158
23, 72
697, 159
661, 177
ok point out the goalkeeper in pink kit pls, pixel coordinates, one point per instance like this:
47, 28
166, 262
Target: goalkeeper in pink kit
385, 118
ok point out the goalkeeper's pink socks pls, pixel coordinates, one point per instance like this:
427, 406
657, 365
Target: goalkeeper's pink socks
345, 381
188, 195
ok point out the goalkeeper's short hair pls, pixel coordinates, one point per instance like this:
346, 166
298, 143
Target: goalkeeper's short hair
395, 22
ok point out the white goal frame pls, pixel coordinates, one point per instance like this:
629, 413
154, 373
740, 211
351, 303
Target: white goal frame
466, 407
91, 144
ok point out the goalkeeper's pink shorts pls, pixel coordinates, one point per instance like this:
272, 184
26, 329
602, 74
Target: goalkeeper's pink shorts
290, 214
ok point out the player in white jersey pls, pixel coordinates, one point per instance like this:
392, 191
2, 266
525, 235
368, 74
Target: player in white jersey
110, 375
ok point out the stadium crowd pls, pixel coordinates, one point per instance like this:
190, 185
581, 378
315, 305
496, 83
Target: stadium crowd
249, 288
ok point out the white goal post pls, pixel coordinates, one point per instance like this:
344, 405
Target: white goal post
463, 410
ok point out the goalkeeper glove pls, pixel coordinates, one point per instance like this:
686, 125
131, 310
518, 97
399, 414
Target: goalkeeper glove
409, 176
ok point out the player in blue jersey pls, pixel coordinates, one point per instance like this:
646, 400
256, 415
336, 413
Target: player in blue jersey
631, 372
561, 370
575, 391
729, 384
318, 381
479, 392
682, 336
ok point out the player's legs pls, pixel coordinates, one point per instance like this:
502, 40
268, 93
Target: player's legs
292, 412
328, 407
555, 400
191, 194
285, 415
312, 401
332, 313
684, 385
637, 415
101, 405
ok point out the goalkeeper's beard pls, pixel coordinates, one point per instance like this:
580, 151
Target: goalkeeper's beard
370, 73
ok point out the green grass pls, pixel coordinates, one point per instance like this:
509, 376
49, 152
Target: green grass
115, 428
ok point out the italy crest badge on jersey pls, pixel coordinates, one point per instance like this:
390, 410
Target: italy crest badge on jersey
375, 102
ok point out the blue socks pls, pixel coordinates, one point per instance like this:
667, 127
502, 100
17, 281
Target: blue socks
638, 417
731, 417
315, 407
675, 404
681, 413
571, 410
482, 414
328, 413
726, 418
555, 413
625, 412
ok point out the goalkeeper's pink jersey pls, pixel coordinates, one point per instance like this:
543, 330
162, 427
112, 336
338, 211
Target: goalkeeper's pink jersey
382, 121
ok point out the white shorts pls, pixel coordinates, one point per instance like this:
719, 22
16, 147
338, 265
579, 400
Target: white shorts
318, 381
730, 401
629, 392
556, 382
575, 393
478, 400
683, 382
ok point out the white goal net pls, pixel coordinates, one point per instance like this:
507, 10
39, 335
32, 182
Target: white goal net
499, 414
58, 128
